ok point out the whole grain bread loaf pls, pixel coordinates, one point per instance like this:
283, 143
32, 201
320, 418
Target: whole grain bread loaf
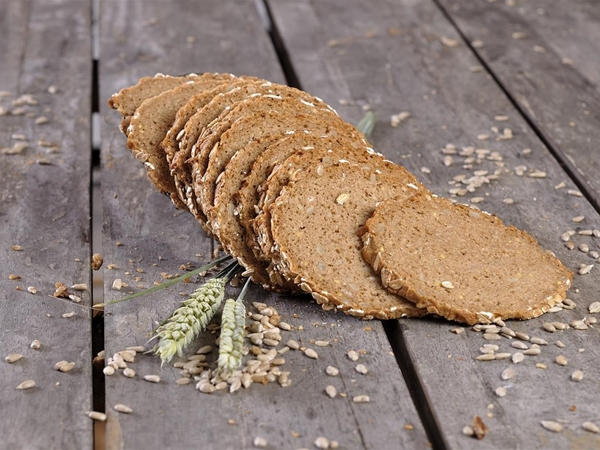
459, 262
315, 222
149, 125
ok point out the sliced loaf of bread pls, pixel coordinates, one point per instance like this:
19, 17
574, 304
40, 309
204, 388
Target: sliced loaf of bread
459, 262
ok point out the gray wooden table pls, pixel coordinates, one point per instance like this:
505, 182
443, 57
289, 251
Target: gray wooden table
519, 79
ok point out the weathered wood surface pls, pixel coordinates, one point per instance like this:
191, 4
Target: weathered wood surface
392, 56
44, 209
142, 38
543, 53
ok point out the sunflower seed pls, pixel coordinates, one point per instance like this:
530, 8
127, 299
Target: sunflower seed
293, 344
520, 345
205, 387
578, 219
517, 358
271, 343
551, 425
59, 364
361, 399
66, 367
503, 355
486, 357
260, 442
585, 269
591, 427
361, 368
508, 373
549, 327
322, 442
127, 355
331, 391
152, 378
532, 351
538, 341
583, 247
561, 360
285, 326
27, 384
97, 416
491, 336
569, 304
594, 308
540, 366
468, 431
458, 330
500, 391
507, 331
108, 371
565, 237
522, 336
579, 324
332, 371
321, 343
560, 344
129, 373
311, 353
577, 375
560, 325
486, 350
13, 357
353, 355
123, 408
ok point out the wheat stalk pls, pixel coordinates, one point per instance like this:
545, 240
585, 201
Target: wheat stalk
231, 339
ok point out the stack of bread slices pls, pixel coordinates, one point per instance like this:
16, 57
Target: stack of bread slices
299, 198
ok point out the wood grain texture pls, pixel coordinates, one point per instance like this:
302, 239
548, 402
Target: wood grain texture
44, 209
540, 52
227, 36
405, 56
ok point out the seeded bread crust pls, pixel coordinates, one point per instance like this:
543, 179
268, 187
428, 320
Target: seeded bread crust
309, 163
275, 115
461, 263
149, 125
315, 221
127, 100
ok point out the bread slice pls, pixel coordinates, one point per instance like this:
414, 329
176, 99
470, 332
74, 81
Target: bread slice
149, 125
461, 263
127, 100
315, 222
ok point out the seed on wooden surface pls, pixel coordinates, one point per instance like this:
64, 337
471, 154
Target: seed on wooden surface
80, 287
353, 355
503, 355
32, 290
561, 360
361, 399
260, 442
152, 378
108, 371
311, 353
285, 326
551, 425
532, 351
120, 407
592, 320
117, 284
129, 373
127, 355
332, 371
508, 373
59, 364
66, 367
549, 327
293, 344
538, 174
493, 347
583, 247
591, 427
508, 201
322, 442
594, 254
594, 308
35, 344
538, 341
458, 330
560, 344
555, 309
27, 384
569, 304
577, 375
540, 366
13, 357
579, 324
578, 219
486, 357
361, 368
205, 387
331, 391
570, 245
97, 416
522, 336
520, 345
559, 325
68, 315
518, 358
500, 391
486, 350
491, 336
507, 331
565, 237
321, 343
271, 342
468, 431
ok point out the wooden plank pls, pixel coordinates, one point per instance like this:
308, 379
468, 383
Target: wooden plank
390, 55
44, 209
225, 36
539, 51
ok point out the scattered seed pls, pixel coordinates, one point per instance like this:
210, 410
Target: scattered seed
522, 336
520, 345
486, 357
594, 308
311, 353
59, 364
458, 330
361, 399
331, 391
551, 425
578, 219
260, 442
561, 360
152, 378
108, 371
517, 358
123, 408
577, 375
13, 357
322, 442
503, 355
361, 368
538, 341
508, 373
574, 193
491, 336
468, 431
479, 428
540, 366
321, 343
579, 324
569, 304
293, 344
591, 427
500, 391
332, 371
532, 351
66, 367
68, 315
32, 290
129, 373
507, 331
353, 355
117, 284
27, 384
560, 344
97, 416
35, 344
583, 247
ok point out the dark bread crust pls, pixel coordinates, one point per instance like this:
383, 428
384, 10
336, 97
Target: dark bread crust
461, 263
